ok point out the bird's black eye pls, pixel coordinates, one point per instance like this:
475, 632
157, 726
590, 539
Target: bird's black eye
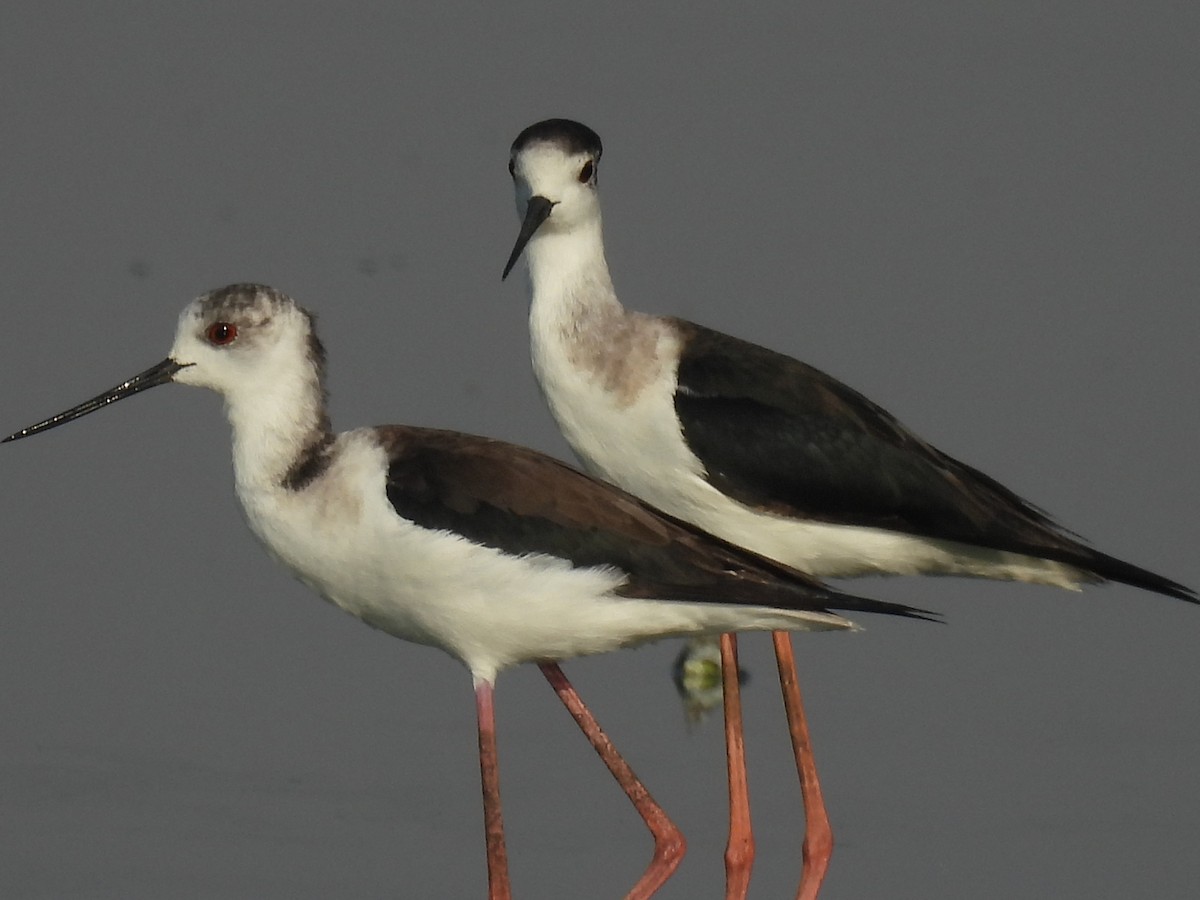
221, 334
586, 173
512, 168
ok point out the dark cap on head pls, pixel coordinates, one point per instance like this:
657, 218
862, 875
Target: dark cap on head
236, 298
573, 137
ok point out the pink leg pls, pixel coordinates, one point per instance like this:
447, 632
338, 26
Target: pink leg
493, 821
818, 836
669, 844
739, 852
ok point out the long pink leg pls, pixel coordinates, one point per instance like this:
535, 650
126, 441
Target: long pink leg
493, 822
669, 844
739, 852
818, 836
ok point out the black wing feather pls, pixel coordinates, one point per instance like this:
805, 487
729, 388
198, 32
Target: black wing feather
780, 435
522, 502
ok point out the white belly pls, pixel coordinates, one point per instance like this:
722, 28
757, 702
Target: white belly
486, 608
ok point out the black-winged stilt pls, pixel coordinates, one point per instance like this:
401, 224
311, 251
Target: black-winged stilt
752, 445
494, 553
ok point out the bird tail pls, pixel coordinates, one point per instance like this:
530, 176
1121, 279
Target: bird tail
1112, 569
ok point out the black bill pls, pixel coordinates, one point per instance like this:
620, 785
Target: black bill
152, 377
536, 213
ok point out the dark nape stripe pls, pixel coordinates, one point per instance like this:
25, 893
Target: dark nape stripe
310, 464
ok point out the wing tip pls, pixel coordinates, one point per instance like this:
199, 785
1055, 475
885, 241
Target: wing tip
854, 603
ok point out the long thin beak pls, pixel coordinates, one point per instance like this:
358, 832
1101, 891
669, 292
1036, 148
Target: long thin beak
536, 213
152, 377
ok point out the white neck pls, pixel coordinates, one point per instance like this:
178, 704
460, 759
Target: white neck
568, 274
273, 423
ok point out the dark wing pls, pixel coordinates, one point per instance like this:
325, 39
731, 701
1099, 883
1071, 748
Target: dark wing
523, 502
779, 435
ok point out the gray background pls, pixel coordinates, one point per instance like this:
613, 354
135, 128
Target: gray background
982, 215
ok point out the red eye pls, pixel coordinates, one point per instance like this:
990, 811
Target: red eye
221, 333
